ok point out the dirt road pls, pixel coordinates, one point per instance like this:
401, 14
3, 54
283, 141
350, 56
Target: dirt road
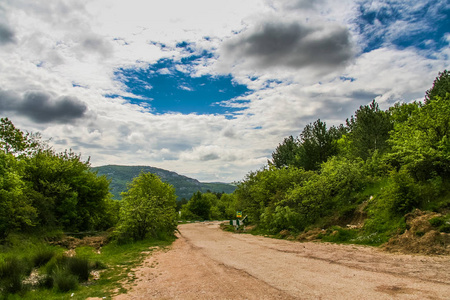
207, 263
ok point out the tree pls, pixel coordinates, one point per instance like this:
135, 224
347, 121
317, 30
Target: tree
441, 86
16, 211
422, 143
198, 207
15, 141
65, 192
369, 130
317, 144
148, 207
284, 155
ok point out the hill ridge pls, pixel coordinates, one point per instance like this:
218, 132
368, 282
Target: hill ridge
121, 175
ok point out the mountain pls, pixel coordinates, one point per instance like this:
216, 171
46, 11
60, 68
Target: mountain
184, 186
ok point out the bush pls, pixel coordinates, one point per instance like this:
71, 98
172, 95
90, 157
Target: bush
79, 267
42, 256
46, 281
64, 281
12, 272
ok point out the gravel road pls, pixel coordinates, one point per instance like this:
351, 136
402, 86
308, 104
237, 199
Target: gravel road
208, 263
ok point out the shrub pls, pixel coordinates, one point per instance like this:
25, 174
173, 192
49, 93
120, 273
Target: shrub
42, 256
98, 265
46, 281
79, 267
64, 281
12, 272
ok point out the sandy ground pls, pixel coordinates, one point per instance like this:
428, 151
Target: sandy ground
208, 263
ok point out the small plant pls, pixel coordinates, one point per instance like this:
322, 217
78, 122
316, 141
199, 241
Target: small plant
46, 282
64, 281
98, 265
42, 257
12, 272
79, 267
442, 223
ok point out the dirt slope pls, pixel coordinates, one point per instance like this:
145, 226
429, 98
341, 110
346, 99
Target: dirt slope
207, 263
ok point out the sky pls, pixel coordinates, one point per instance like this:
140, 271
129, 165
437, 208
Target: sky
208, 89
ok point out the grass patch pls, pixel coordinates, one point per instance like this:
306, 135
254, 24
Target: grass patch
63, 274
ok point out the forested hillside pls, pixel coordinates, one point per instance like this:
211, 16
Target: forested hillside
184, 186
363, 182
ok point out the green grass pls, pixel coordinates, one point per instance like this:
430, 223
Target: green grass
115, 263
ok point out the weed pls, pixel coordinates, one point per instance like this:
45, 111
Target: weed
42, 256
64, 281
12, 272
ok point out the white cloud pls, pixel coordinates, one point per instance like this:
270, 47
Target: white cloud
73, 48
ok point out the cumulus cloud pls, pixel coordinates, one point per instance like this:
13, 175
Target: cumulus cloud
290, 45
42, 107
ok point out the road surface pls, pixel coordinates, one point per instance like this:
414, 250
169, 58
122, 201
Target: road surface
208, 263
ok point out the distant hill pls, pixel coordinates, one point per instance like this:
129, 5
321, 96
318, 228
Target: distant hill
184, 186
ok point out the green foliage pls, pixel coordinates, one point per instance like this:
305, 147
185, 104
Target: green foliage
317, 144
16, 210
148, 207
421, 144
43, 256
41, 188
66, 192
14, 141
384, 165
369, 130
441, 86
337, 234
441, 223
64, 281
285, 154
12, 272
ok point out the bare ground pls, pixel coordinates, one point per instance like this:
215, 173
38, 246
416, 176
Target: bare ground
208, 263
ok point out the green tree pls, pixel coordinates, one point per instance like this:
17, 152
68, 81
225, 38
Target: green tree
148, 207
199, 206
285, 153
422, 143
15, 141
65, 192
441, 86
16, 211
317, 144
369, 130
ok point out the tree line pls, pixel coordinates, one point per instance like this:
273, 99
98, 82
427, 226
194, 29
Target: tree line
381, 163
41, 189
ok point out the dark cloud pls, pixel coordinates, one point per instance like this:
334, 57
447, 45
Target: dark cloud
210, 156
6, 35
302, 4
42, 107
363, 95
291, 45
97, 44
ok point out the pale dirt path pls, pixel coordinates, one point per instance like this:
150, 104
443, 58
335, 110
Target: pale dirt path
207, 263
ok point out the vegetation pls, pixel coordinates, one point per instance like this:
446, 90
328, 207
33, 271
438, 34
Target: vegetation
148, 207
41, 188
30, 268
43, 194
209, 206
368, 174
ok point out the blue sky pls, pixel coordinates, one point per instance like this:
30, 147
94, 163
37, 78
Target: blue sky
205, 88
168, 86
